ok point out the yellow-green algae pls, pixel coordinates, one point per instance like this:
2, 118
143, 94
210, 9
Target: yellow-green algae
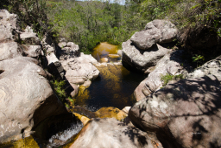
113, 76
103, 49
27, 142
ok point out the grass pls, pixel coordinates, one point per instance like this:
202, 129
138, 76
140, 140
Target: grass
168, 77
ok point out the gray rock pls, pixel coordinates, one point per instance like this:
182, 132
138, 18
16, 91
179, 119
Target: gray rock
168, 30
210, 68
126, 109
5, 33
7, 25
153, 82
157, 31
110, 133
142, 60
120, 52
29, 37
51, 58
69, 51
80, 69
184, 113
32, 50
71, 44
75, 91
9, 50
26, 98
7, 19
146, 38
62, 44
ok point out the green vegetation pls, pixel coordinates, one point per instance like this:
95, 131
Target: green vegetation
30, 12
168, 77
198, 59
91, 22
59, 88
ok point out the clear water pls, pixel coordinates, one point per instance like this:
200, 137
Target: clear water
114, 86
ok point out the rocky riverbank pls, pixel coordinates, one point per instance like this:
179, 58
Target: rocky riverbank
181, 112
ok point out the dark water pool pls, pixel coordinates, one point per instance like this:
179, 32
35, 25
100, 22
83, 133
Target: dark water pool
114, 87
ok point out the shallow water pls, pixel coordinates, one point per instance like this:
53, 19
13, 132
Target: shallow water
103, 49
113, 87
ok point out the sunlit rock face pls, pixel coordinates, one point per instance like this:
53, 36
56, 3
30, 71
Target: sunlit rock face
186, 113
168, 65
25, 96
80, 69
134, 58
110, 133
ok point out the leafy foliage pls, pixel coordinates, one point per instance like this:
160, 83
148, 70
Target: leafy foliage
168, 77
199, 59
88, 23
59, 88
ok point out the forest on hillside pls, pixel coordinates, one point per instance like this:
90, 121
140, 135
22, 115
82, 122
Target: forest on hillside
91, 22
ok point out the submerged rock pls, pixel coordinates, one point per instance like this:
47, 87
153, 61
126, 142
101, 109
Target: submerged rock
186, 113
110, 112
110, 133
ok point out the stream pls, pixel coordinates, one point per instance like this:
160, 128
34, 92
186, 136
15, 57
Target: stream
113, 88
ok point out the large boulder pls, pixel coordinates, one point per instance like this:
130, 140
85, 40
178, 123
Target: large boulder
186, 113
80, 69
7, 25
26, 98
110, 133
153, 82
146, 38
157, 31
9, 50
141, 60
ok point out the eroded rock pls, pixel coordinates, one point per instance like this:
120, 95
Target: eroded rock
111, 133
32, 50
80, 69
142, 60
157, 31
7, 25
29, 37
186, 113
153, 82
26, 98
9, 50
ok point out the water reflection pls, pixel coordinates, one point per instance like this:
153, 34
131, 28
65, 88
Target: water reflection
113, 88
102, 51
115, 84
